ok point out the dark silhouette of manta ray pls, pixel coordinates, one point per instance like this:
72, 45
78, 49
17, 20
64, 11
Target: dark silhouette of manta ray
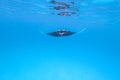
61, 33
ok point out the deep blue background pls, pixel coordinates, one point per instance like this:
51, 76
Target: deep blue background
27, 53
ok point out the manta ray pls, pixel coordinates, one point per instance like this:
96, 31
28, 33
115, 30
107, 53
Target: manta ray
61, 33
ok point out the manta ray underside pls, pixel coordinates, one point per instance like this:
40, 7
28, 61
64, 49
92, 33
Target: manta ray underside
61, 33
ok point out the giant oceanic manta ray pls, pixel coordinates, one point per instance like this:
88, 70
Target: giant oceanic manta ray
61, 33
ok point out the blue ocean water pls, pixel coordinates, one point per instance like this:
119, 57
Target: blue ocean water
27, 53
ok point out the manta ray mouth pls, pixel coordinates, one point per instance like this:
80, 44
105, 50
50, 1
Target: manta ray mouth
61, 33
